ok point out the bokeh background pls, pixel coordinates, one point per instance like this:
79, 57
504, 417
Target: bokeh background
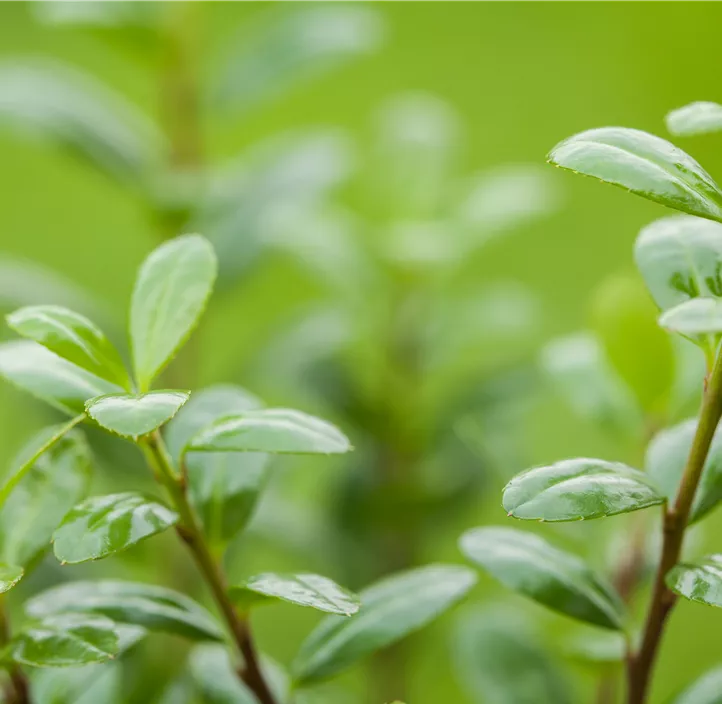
502, 83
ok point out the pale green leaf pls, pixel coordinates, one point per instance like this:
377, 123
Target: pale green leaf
573, 490
695, 317
696, 118
147, 605
104, 525
313, 590
392, 609
699, 581
92, 684
644, 164
73, 337
531, 566
133, 415
10, 575
274, 430
705, 690
170, 294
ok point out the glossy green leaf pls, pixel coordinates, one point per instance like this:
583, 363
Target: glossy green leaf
73, 337
696, 118
666, 459
54, 483
699, 581
223, 486
63, 385
104, 525
531, 566
299, 43
91, 684
695, 317
705, 690
170, 294
274, 430
65, 640
573, 490
643, 164
392, 609
313, 590
133, 415
499, 660
10, 575
76, 111
147, 605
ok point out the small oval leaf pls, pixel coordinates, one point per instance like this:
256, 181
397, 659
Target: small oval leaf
699, 581
573, 490
644, 164
316, 591
392, 609
10, 575
695, 317
147, 605
133, 415
104, 525
170, 294
274, 430
701, 117
73, 337
531, 566
65, 640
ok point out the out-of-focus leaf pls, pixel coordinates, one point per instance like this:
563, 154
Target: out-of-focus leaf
696, 118
581, 373
694, 318
98, 14
34, 369
667, 457
147, 605
531, 566
65, 640
392, 609
104, 525
170, 294
498, 660
642, 354
644, 164
73, 337
71, 108
573, 490
705, 690
10, 575
224, 486
274, 430
292, 46
57, 480
78, 685
133, 415
699, 581
316, 591
595, 648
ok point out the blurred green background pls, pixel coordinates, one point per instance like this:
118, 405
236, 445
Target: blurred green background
522, 76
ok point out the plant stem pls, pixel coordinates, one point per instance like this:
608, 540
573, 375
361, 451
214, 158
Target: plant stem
676, 517
190, 532
17, 690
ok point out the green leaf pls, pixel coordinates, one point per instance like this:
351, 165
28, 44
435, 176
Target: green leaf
54, 483
695, 317
316, 591
133, 415
63, 385
297, 44
104, 525
147, 605
65, 640
392, 609
559, 580
91, 684
666, 459
705, 690
699, 581
599, 650
170, 294
696, 118
78, 112
223, 486
99, 14
644, 164
573, 490
500, 661
73, 337
274, 430
10, 575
